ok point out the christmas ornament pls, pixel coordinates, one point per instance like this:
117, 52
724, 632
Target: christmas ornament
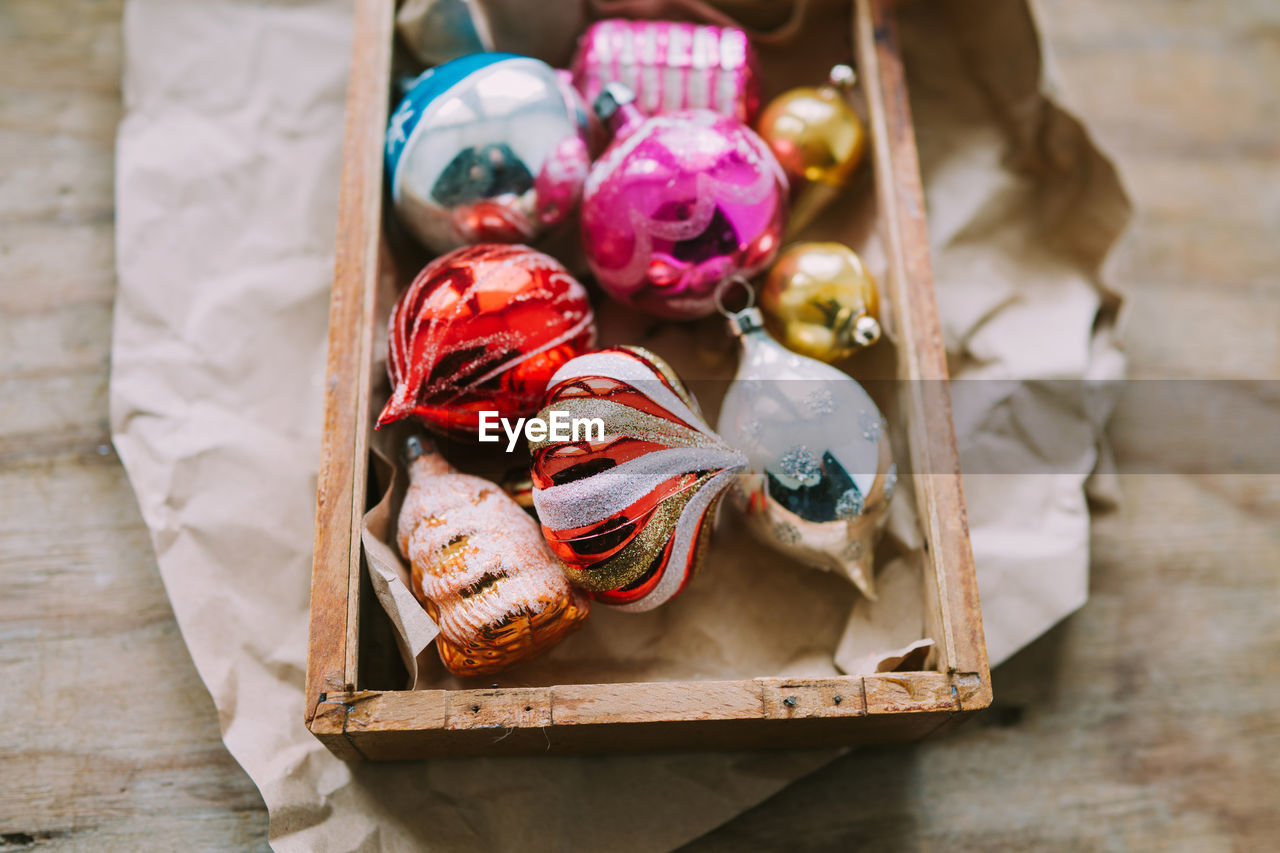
437, 31
820, 301
821, 470
480, 569
817, 138
482, 329
518, 485
678, 204
670, 66
629, 512
486, 148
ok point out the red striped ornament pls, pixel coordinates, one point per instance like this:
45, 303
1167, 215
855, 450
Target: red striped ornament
629, 514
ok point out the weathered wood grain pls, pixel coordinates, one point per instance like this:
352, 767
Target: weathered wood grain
109, 740
616, 717
1103, 735
1151, 718
954, 614
334, 631
643, 717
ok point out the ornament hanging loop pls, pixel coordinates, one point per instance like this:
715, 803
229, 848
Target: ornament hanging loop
749, 318
725, 287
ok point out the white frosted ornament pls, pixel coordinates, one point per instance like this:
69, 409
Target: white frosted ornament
821, 470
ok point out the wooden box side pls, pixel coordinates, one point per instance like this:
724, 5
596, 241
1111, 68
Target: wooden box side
951, 589
612, 717
637, 717
335, 572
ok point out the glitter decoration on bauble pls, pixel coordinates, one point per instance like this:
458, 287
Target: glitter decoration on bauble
821, 468
629, 511
482, 329
670, 66
820, 300
480, 568
676, 205
489, 147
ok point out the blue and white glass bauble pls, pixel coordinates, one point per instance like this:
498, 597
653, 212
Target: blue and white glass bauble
487, 148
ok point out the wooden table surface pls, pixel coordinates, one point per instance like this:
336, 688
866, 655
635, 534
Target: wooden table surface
1150, 718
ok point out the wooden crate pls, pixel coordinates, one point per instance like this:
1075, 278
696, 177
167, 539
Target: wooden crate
758, 712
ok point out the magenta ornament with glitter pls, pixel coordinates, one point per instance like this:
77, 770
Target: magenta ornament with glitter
677, 205
671, 65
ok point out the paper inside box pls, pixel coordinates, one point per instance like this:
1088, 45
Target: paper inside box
749, 612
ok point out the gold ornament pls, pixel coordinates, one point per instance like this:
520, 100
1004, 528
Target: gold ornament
820, 301
817, 138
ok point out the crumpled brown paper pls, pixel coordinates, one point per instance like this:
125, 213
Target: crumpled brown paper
227, 174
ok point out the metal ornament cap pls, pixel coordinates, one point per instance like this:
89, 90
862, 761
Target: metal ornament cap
745, 321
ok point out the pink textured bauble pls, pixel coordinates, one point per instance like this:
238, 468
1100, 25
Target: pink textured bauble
670, 65
678, 204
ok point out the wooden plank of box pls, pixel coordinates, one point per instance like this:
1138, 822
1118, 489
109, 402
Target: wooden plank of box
757, 712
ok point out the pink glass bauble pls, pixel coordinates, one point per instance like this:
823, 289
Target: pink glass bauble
676, 205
